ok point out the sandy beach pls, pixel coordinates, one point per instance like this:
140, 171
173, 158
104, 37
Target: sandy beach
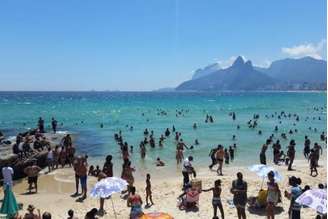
56, 188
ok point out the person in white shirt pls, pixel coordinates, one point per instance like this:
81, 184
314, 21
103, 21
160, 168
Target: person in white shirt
187, 168
7, 173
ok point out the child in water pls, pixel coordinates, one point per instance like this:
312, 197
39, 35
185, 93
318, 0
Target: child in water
148, 191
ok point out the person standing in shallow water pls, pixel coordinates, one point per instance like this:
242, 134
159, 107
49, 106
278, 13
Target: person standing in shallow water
239, 191
262, 154
54, 125
108, 166
307, 144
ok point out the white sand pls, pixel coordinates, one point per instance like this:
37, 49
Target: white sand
55, 190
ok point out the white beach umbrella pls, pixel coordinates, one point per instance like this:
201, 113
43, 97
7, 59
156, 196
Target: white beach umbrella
314, 198
108, 186
262, 171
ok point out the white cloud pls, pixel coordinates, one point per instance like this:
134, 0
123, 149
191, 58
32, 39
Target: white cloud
315, 50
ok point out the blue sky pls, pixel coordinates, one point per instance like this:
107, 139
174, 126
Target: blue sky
147, 44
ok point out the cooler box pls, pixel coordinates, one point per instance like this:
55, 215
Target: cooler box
196, 183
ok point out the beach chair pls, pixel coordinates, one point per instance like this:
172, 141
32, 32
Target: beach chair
192, 198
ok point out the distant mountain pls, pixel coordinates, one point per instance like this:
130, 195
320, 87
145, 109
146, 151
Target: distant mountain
303, 70
201, 72
287, 74
240, 76
165, 89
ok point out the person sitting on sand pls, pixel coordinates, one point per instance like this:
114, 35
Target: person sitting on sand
216, 200
46, 215
71, 214
32, 173
159, 162
148, 191
30, 213
135, 202
189, 198
239, 191
91, 170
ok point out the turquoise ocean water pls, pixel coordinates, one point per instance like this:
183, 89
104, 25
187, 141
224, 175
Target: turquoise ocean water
118, 109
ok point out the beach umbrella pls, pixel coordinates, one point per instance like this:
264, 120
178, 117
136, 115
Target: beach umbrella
262, 171
314, 198
108, 186
156, 215
9, 204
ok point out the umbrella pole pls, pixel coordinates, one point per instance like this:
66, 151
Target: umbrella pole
113, 208
262, 183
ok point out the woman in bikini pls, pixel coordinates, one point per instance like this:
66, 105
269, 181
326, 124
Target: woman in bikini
216, 200
135, 202
273, 195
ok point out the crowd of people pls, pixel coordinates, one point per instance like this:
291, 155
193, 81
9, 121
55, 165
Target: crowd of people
64, 154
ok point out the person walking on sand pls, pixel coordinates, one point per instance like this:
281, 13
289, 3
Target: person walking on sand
216, 200
291, 154
187, 168
148, 191
213, 158
239, 191
313, 163
134, 202
219, 155
82, 172
32, 173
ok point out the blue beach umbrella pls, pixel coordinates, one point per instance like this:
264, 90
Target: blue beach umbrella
9, 204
